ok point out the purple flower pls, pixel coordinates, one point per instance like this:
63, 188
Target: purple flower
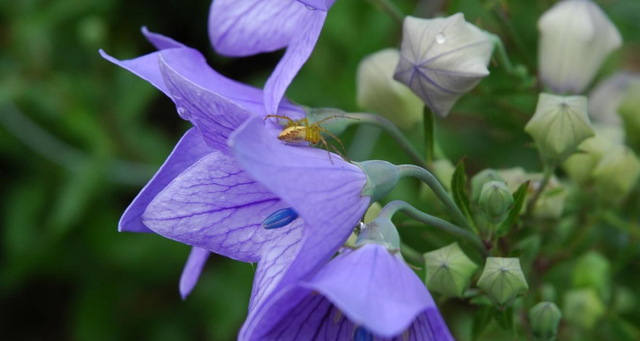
214, 194
247, 27
364, 294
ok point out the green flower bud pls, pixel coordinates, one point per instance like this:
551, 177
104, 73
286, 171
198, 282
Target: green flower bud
629, 110
559, 125
480, 179
616, 174
580, 166
449, 270
550, 205
380, 93
513, 177
592, 271
503, 280
495, 200
583, 307
545, 318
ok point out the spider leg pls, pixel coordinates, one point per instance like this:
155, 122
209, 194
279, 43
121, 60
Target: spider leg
335, 116
326, 146
290, 122
344, 157
333, 137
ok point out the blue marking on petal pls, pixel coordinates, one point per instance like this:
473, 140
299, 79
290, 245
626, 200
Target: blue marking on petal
280, 218
361, 334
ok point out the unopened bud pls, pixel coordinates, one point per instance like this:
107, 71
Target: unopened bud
442, 58
616, 174
503, 280
550, 204
583, 307
575, 38
480, 179
580, 165
630, 112
592, 271
608, 94
545, 318
495, 200
559, 125
449, 270
380, 93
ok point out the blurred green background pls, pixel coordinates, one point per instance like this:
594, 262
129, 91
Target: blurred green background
79, 138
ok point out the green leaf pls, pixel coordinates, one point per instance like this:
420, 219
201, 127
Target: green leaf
519, 198
459, 189
481, 319
429, 133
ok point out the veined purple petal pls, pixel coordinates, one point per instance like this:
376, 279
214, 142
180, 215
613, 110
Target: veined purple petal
298, 51
247, 27
215, 205
367, 289
193, 268
159, 41
189, 149
322, 5
145, 67
326, 195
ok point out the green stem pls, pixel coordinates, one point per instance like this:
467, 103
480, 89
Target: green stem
391, 129
548, 172
390, 8
391, 208
438, 189
411, 254
501, 52
363, 143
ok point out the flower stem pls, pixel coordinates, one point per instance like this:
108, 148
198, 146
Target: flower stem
390, 8
411, 254
391, 208
438, 189
363, 142
429, 134
391, 129
548, 172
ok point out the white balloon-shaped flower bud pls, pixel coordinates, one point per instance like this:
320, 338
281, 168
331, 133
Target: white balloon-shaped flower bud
575, 38
442, 59
380, 93
559, 125
502, 279
449, 270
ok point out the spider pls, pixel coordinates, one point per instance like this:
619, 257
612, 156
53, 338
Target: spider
299, 131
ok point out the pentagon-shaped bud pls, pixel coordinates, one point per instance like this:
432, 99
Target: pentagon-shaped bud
575, 38
380, 93
495, 200
591, 270
583, 307
480, 179
449, 270
545, 318
559, 125
616, 174
502, 279
580, 166
442, 59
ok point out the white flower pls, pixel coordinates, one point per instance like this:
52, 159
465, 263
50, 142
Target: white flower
380, 93
575, 38
559, 125
441, 59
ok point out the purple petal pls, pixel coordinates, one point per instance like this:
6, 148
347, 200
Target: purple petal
322, 5
247, 27
159, 41
189, 149
297, 53
326, 195
193, 268
369, 288
145, 67
216, 206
